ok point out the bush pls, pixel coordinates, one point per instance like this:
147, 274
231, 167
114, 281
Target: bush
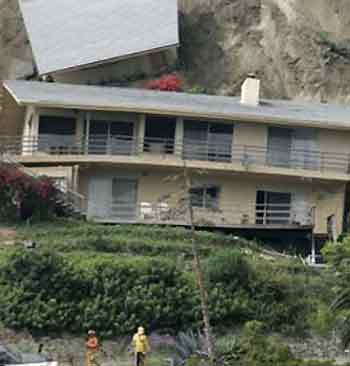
241, 291
44, 292
22, 196
169, 82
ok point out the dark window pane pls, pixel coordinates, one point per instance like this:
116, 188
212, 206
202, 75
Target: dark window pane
197, 196
122, 128
53, 125
212, 197
98, 128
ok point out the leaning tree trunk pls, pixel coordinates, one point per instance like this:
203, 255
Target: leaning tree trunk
198, 271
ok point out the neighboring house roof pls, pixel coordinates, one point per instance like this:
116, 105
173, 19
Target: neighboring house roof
68, 34
171, 103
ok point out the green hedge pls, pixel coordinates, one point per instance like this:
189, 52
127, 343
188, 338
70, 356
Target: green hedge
45, 291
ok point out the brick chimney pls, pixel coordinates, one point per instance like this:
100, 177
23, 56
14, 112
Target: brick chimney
250, 91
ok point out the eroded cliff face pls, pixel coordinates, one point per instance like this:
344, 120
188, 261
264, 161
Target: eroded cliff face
16, 58
300, 49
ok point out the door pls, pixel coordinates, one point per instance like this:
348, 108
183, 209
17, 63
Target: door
121, 138
279, 146
98, 137
124, 199
301, 209
99, 202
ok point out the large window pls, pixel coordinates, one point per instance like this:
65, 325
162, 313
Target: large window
159, 134
293, 148
205, 197
207, 140
111, 137
56, 134
273, 208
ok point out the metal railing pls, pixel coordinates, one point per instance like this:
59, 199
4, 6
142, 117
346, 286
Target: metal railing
163, 213
190, 149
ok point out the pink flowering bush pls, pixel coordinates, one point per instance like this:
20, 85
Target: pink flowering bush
23, 196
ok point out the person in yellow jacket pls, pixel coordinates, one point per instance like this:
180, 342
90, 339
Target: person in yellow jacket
92, 347
141, 347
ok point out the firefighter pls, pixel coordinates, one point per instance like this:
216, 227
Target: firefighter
92, 347
141, 347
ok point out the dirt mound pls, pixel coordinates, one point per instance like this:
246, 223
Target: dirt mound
7, 236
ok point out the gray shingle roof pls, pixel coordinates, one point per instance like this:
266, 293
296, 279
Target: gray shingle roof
139, 100
73, 33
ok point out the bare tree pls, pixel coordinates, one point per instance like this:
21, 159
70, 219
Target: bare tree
185, 205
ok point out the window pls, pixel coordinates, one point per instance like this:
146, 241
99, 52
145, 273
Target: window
111, 137
56, 134
273, 208
159, 134
208, 140
205, 197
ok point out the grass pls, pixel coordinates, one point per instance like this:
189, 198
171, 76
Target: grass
71, 236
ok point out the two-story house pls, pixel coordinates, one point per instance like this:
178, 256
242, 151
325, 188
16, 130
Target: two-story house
264, 163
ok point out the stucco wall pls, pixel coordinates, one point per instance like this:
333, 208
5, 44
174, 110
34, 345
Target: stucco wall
237, 195
250, 134
334, 141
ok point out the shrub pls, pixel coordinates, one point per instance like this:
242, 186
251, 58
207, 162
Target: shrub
171, 82
44, 292
22, 196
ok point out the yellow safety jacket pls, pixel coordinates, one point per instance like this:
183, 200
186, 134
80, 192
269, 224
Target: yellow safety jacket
140, 343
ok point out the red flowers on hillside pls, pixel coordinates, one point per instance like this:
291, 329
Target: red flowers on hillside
171, 82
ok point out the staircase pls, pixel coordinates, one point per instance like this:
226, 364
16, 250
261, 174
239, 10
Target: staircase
72, 202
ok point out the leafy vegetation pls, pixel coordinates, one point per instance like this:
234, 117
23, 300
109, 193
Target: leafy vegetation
22, 196
114, 278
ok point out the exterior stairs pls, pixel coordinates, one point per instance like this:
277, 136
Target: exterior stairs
71, 202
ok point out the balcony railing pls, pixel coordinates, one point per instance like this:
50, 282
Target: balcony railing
262, 215
224, 152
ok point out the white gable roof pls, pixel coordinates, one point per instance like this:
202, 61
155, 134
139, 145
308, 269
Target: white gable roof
67, 34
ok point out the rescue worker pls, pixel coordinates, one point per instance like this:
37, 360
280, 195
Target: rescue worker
92, 347
141, 347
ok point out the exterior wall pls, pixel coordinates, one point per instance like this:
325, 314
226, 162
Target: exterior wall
12, 117
329, 200
334, 141
238, 193
250, 134
123, 69
56, 172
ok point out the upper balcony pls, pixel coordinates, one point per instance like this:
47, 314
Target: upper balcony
221, 155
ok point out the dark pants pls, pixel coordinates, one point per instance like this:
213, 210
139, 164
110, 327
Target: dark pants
140, 359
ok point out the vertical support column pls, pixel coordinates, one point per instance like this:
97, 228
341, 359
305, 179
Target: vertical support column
34, 134
87, 132
313, 248
25, 147
79, 132
141, 133
179, 137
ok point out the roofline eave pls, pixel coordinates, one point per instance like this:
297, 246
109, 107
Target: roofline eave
107, 61
218, 116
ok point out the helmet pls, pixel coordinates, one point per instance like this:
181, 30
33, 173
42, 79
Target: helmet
141, 330
91, 332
